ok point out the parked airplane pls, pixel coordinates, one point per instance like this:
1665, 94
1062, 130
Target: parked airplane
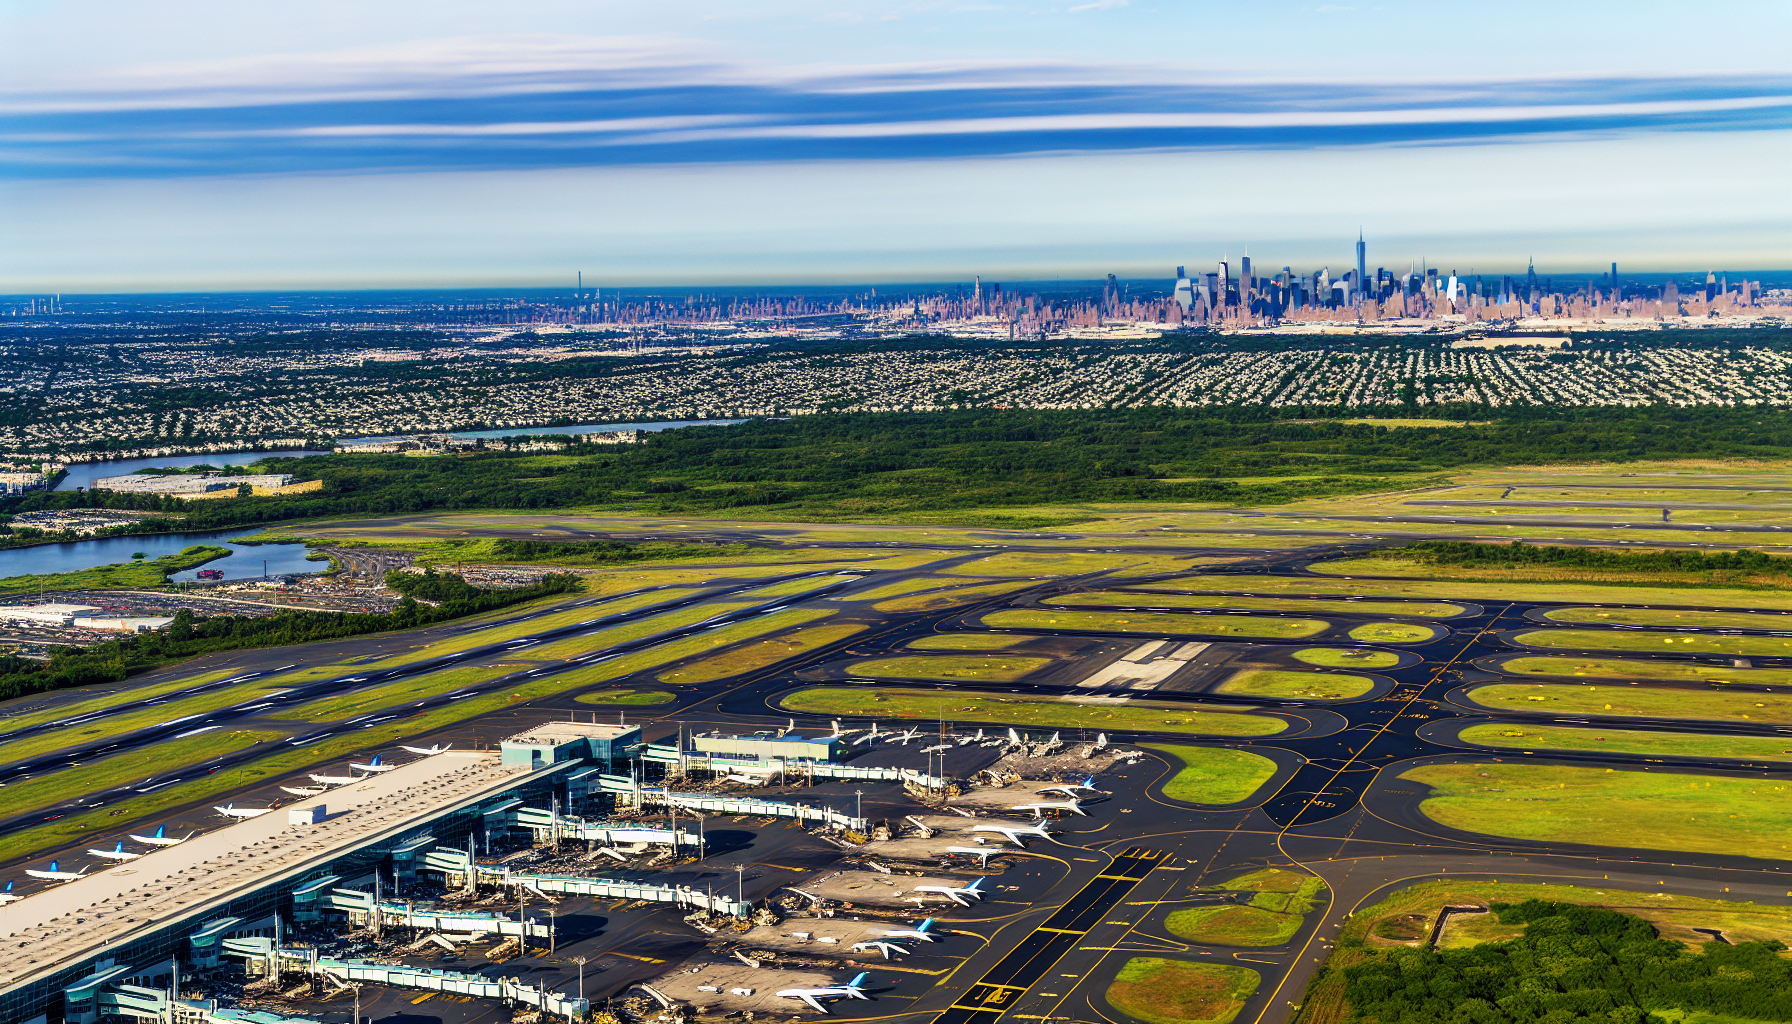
55, 874
1013, 832
853, 989
965, 741
1052, 805
919, 931
886, 948
1070, 789
305, 790
6, 895
335, 780
936, 748
373, 765
117, 853
233, 811
955, 893
161, 838
982, 853
902, 738
427, 751
872, 735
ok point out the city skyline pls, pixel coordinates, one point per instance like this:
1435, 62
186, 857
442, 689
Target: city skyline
215, 148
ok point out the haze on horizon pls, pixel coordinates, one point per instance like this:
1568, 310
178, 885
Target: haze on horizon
206, 145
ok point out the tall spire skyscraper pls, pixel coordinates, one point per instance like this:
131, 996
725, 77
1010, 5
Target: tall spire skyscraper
1362, 266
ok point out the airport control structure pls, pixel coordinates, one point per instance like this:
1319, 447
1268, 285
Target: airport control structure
463, 849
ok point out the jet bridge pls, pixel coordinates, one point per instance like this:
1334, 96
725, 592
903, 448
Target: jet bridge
454, 862
346, 972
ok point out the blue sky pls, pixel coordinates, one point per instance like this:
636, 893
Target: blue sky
231, 145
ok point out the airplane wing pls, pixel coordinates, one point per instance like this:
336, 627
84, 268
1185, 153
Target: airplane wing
812, 1001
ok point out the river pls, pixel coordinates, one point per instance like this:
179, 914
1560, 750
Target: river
84, 474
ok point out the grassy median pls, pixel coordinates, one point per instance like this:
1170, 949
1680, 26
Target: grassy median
1647, 810
1672, 617
761, 654
1636, 702
1674, 643
958, 706
1632, 668
989, 669
1160, 623
1282, 684
1629, 741
1160, 991
1347, 657
1148, 599
1215, 775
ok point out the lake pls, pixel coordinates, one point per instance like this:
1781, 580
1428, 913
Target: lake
586, 428
244, 561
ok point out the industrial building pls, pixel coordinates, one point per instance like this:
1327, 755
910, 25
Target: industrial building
51, 614
188, 485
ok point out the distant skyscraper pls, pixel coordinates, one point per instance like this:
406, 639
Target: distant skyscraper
1362, 266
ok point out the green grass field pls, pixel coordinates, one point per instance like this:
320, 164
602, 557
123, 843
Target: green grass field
106, 773
23, 718
639, 629
1674, 643
1393, 633
1160, 991
990, 669
1147, 599
1620, 741
535, 626
790, 588
1671, 617
144, 575
1347, 657
1554, 589
763, 654
1282, 684
1134, 716
625, 696
123, 722
1214, 775
1233, 926
1053, 563
393, 694
1647, 810
968, 642
1635, 702
908, 586
1741, 921
942, 599
1632, 668
1162, 623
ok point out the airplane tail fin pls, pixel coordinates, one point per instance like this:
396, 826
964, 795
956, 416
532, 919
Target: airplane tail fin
859, 982
54, 866
976, 886
924, 925
161, 831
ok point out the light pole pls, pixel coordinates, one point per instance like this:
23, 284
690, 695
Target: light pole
581, 961
740, 883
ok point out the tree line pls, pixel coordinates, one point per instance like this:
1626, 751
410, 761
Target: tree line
1472, 554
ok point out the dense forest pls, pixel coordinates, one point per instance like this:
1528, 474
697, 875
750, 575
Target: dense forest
869, 465
1518, 554
1573, 964
429, 598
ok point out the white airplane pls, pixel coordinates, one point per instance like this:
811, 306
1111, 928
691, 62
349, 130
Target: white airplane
903, 737
886, 948
335, 780
117, 853
161, 838
1013, 737
1070, 789
56, 874
1052, 805
427, 751
372, 766
305, 790
955, 893
919, 931
982, 853
965, 741
1013, 832
871, 736
936, 748
233, 811
6, 895
853, 989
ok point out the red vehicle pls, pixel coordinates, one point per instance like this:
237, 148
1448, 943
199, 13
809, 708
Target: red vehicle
210, 574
